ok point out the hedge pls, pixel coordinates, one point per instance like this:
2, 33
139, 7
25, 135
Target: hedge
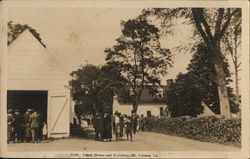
209, 129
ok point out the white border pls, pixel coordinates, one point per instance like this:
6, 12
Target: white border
244, 153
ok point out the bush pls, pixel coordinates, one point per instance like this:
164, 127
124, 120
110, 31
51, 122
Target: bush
209, 129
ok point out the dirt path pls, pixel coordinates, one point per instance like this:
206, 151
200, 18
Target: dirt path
143, 141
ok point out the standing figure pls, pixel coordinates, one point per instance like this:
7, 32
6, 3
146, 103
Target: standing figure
107, 125
45, 131
113, 122
40, 127
34, 124
99, 127
94, 122
134, 122
128, 128
117, 126
26, 123
121, 127
142, 123
10, 120
18, 127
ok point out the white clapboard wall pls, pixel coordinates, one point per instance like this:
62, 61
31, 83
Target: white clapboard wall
32, 67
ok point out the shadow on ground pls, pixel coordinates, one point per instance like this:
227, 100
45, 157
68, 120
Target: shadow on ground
78, 131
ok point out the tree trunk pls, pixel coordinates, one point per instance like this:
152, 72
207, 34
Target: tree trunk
135, 105
237, 92
221, 83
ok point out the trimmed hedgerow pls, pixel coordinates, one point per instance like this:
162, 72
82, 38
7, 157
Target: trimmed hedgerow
209, 129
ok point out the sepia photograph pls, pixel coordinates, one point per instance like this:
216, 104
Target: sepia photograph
125, 79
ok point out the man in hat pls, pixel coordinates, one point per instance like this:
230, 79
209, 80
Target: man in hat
34, 124
10, 120
26, 123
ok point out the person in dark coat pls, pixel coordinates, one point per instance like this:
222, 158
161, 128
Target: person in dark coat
40, 126
116, 122
128, 128
122, 126
99, 127
18, 127
107, 126
134, 122
26, 123
94, 122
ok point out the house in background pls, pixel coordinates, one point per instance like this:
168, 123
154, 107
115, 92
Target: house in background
36, 80
152, 104
149, 105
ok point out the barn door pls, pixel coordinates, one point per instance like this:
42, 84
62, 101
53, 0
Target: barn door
58, 115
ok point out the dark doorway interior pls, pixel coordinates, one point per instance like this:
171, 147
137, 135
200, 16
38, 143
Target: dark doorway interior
23, 100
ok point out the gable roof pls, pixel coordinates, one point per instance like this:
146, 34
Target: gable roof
147, 96
31, 66
23, 28
28, 34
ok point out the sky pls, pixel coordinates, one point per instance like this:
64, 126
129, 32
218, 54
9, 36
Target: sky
78, 36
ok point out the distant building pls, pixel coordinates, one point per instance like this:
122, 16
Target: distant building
151, 104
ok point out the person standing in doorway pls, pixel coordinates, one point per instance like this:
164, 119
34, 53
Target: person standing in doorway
45, 131
40, 126
10, 120
34, 119
26, 123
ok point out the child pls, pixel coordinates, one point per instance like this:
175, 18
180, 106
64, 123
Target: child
45, 131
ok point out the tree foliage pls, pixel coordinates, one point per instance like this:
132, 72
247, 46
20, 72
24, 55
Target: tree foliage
211, 25
93, 89
183, 97
139, 57
203, 73
14, 30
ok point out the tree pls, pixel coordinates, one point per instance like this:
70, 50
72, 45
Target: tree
183, 97
232, 40
204, 76
211, 25
84, 89
139, 58
93, 89
14, 30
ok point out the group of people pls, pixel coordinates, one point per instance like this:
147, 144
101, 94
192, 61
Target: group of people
118, 124
25, 128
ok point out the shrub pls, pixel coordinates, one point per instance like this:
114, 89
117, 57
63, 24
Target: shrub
209, 129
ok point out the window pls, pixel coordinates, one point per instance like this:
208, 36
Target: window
161, 111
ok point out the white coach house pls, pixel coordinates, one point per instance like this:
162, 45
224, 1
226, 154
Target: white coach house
36, 80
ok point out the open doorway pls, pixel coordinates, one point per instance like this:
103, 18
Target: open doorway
23, 100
